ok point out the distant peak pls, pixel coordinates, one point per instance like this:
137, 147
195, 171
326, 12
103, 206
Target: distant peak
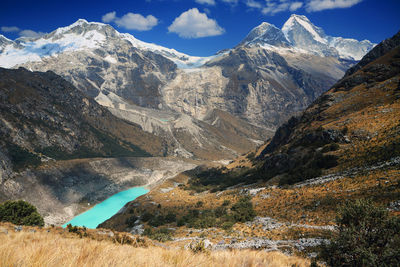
302, 17
262, 28
265, 24
3, 38
265, 33
80, 22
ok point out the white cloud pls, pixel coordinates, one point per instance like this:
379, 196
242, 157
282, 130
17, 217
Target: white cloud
271, 8
319, 5
109, 17
10, 29
253, 4
206, 2
138, 22
131, 21
233, 2
194, 24
30, 33
295, 5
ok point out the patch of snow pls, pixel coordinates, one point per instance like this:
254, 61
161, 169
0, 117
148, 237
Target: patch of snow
110, 59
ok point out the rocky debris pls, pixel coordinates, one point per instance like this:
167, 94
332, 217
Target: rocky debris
265, 196
251, 191
270, 245
166, 190
394, 205
137, 229
353, 171
267, 223
319, 227
107, 233
18, 228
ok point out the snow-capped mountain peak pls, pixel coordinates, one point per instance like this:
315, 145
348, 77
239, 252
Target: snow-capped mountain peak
303, 34
83, 35
299, 23
265, 33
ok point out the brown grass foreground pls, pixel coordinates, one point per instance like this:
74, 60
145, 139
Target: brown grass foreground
48, 249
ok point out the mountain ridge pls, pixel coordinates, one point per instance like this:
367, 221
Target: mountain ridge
145, 83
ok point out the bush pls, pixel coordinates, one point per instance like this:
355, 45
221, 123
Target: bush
226, 202
161, 234
157, 221
243, 211
170, 217
131, 221
199, 204
147, 216
367, 236
227, 225
199, 247
21, 213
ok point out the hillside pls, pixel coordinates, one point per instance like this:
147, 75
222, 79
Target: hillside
345, 146
63, 152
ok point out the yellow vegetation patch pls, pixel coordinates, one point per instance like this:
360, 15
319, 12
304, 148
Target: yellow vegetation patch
48, 249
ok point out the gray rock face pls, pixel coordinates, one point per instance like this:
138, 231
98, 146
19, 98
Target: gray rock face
261, 82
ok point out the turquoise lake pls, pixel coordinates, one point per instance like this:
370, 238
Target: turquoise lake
106, 209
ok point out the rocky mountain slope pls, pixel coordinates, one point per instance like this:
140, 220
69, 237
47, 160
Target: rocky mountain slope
260, 82
52, 138
344, 146
43, 116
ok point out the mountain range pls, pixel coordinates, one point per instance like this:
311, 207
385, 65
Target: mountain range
259, 83
86, 92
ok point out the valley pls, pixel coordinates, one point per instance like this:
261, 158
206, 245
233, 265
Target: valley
257, 149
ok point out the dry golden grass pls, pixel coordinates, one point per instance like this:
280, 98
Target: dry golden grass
49, 249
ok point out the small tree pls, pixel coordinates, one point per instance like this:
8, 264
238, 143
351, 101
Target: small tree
20, 212
367, 236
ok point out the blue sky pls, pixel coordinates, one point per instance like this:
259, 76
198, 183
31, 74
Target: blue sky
202, 27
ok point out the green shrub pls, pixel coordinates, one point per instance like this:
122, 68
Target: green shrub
226, 202
170, 217
147, 216
161, 234
227, 225
157, 221
131, 221
21, 213
367, 236
243, 211
325, 161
